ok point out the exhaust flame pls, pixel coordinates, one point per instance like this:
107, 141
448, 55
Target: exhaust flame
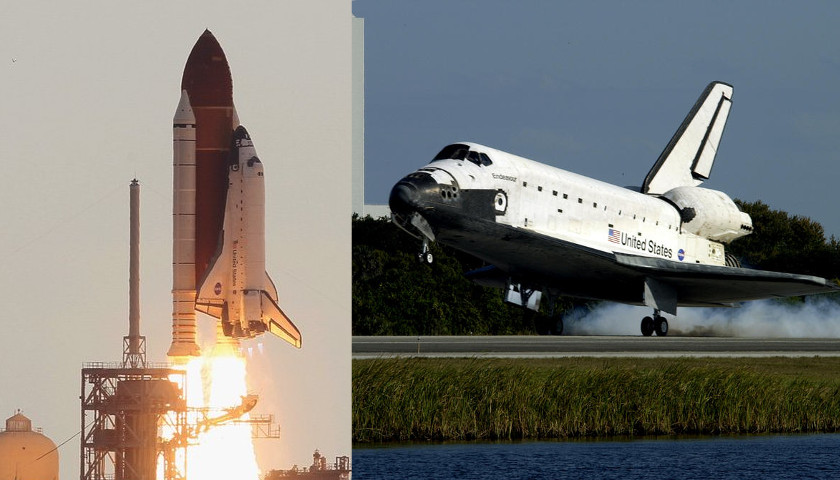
215, 385
222, 451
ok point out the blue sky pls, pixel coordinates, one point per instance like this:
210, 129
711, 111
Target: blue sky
598, 88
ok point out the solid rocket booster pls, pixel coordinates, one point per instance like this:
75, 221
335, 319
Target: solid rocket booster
236, 288
183, 232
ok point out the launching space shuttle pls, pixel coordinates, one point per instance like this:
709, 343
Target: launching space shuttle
218, 249
236, 289
546, 231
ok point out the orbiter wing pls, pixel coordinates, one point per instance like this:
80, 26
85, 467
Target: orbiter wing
571, 269
270, 288
277, 322
718, 285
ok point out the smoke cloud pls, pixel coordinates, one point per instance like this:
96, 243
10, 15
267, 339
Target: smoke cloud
816, 317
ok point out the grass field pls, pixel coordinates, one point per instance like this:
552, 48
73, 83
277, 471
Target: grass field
491, 399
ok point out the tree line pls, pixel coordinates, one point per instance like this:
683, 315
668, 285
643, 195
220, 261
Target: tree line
395, 294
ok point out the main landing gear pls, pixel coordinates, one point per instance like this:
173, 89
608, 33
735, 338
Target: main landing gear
656, 324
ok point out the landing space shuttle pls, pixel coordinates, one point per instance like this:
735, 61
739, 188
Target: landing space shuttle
236, 288
543, 230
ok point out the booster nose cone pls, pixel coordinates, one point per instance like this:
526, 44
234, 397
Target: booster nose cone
184, 113
403, 199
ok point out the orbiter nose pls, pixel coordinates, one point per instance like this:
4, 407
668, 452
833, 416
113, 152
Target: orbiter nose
403, 199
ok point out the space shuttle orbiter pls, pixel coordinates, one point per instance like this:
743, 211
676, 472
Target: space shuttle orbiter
236, 288
544, 230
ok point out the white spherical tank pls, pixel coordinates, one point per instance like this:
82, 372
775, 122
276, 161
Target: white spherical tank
26, 454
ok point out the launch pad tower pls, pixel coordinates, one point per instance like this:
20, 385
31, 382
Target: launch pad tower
121, 411
124, 405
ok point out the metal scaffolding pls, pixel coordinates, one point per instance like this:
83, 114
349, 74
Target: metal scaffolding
122, 409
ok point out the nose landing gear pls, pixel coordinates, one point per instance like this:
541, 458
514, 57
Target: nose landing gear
425, 255
656, 324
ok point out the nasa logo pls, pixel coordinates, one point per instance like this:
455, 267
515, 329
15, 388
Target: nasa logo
681, 254
218, 288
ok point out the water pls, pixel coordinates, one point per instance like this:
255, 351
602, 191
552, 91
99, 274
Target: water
747, 457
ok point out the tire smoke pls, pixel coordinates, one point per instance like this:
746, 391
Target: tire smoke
815, 317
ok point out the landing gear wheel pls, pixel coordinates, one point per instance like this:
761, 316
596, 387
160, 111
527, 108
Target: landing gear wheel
660, 325
425, 255
647, 326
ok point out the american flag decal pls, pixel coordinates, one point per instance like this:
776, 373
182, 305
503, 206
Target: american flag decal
615, 236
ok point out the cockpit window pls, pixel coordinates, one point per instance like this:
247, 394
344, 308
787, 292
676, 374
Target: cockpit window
473, 157
456, 151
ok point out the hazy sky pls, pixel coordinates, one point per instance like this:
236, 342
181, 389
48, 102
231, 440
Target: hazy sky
599, 88
88, 94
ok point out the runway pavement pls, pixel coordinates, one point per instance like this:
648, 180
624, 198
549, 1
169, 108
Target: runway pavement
568, 346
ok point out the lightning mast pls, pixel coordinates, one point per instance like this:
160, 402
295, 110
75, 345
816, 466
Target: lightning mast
134, 345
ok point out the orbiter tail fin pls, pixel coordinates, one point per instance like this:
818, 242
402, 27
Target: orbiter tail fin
688, 158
